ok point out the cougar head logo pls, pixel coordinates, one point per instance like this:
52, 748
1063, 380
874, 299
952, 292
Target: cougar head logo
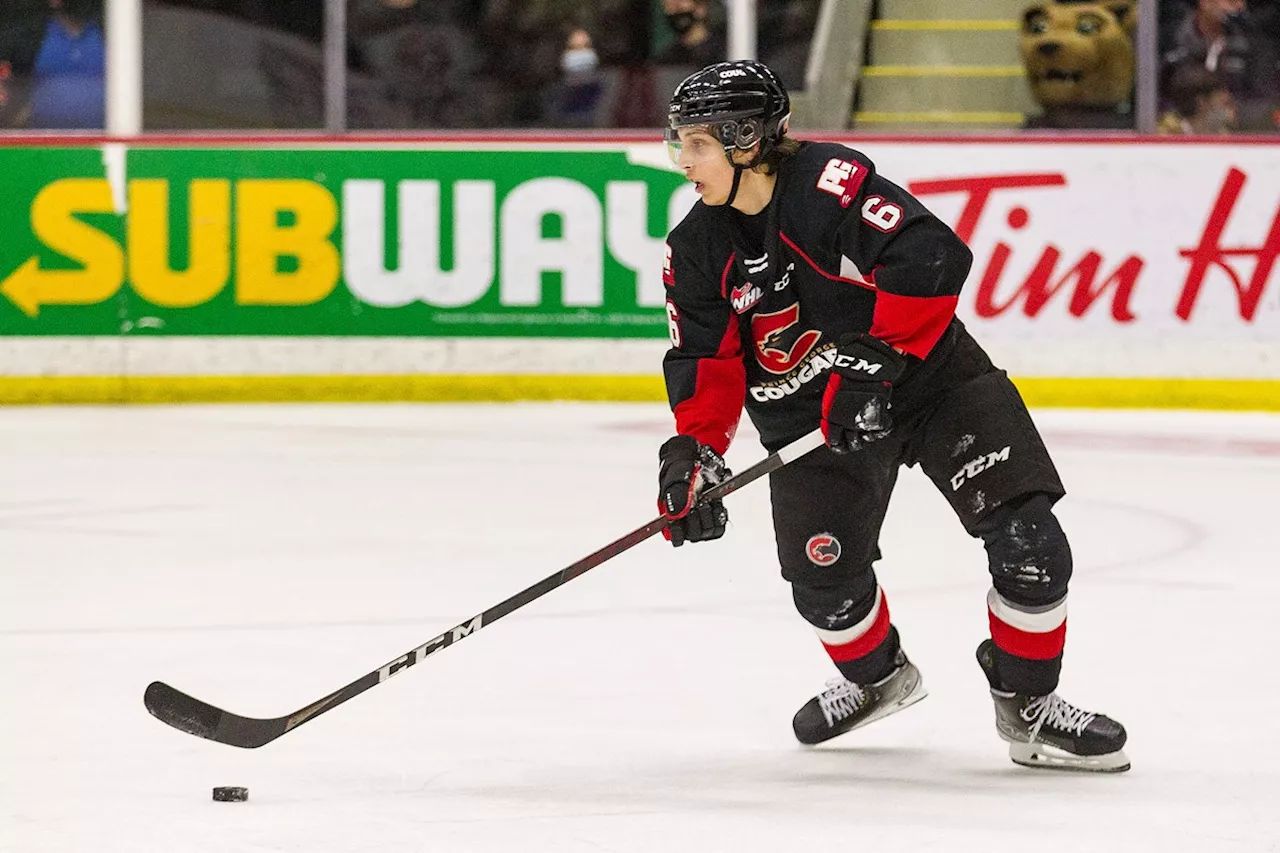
822, 549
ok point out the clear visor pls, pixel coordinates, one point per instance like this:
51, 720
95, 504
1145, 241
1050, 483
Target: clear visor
693, 144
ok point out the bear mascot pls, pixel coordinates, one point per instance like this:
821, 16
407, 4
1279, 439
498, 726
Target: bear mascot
1079, 59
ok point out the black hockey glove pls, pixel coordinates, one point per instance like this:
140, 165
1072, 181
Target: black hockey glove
686, 469
855, 407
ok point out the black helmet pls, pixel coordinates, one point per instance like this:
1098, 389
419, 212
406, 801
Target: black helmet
742, 101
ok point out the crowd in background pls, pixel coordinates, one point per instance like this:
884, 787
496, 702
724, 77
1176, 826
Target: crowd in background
1220, 66
52, 56
445, 64
547, 63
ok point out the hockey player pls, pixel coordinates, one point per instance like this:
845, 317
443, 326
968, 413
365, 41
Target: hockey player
820, 293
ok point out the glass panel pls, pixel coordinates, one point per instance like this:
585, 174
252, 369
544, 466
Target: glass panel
620, 90
1080, 63
687, 35
422, 65
602, 78
784, 37
233, 64
52, 65
1219, 66
984, 65
693, 34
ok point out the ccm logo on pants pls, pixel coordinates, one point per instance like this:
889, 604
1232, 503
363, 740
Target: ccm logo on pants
977, 466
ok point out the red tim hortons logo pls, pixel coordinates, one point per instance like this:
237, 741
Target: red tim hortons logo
822, 549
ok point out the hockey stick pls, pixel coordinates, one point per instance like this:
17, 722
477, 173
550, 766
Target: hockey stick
188, 714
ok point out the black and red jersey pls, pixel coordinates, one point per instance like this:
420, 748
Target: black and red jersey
756, 304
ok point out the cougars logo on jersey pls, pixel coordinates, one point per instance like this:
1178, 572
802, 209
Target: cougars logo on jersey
771, 334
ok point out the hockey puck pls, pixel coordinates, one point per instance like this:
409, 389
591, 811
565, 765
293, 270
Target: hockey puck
230, 795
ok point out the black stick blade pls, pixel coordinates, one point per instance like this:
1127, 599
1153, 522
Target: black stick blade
188, 714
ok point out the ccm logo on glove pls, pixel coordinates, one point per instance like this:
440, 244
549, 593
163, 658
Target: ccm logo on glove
857, 402
857, 364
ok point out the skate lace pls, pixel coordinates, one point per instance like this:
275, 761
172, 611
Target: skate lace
841, 698
1057, 713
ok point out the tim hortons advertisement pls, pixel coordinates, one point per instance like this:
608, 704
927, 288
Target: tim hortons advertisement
1141, 240
1144, 241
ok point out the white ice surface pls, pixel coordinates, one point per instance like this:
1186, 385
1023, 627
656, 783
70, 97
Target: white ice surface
260, 557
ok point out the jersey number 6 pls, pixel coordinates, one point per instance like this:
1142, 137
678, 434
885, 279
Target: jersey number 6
880, 214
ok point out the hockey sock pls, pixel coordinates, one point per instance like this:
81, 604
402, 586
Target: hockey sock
863, 651
1029, 643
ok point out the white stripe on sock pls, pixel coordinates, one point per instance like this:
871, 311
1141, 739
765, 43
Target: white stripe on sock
1041, 622
848, 635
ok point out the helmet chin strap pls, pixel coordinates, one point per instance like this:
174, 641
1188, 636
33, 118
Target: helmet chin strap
737, 180
739, 168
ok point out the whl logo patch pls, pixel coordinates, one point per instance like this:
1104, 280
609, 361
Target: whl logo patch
822, 549
842, 179
742, 298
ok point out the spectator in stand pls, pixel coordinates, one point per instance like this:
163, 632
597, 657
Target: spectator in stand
1238, 41
1202, 103
576, 101
579, 55
525, 39
699, 35
69, 76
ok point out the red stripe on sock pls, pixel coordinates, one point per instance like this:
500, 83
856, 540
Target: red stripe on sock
1027, 644
865, 644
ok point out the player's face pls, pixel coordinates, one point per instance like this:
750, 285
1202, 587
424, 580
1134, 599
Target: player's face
701, 156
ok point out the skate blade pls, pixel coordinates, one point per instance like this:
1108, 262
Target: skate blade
1045, 757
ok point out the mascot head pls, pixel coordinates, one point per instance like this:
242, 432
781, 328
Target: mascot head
1079, 54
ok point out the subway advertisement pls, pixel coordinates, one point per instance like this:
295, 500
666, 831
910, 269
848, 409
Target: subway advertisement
1143, 259
323, 241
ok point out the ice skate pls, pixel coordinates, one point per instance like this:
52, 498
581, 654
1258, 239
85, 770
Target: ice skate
1049, 732
845, 706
